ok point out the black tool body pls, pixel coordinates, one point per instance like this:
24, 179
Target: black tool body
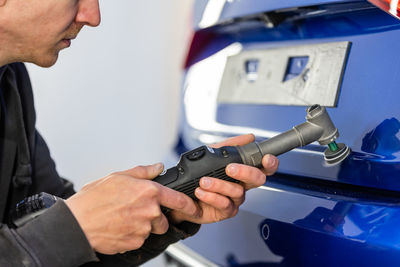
197, 163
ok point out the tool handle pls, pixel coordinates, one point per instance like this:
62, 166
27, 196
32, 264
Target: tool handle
197, 163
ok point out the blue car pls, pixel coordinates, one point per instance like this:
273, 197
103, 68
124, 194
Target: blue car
254, 66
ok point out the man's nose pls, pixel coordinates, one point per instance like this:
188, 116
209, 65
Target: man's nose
88, 13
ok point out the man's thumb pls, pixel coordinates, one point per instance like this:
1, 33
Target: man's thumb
146, 172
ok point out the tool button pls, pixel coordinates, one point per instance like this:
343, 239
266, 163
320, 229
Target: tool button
195, 155
225, 153
181, 170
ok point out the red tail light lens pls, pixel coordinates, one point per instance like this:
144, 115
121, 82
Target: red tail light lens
390, 6
199, 41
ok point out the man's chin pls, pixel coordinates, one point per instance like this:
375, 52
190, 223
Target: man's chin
45, 61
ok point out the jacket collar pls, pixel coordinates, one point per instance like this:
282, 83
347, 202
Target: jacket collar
2, 105
2, 71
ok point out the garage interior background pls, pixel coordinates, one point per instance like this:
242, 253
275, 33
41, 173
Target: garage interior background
112, 100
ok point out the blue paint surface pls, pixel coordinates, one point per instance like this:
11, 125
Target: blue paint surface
289, 228
240, 8
348, 214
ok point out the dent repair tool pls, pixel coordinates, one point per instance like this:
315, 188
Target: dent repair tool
211, 162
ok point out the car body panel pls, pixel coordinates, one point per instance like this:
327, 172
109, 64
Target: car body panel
294, 229
375, 139
309, 213
231, 9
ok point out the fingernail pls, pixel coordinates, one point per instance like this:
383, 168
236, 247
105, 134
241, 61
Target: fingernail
271, 161
232, 169
206, 182
158, 167
199, 192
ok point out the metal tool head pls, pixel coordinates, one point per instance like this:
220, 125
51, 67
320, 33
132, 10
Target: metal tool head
318, 116
337, 156
335, 153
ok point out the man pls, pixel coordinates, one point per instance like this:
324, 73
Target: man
114, 221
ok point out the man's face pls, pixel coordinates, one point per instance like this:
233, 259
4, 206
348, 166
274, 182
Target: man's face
39, 29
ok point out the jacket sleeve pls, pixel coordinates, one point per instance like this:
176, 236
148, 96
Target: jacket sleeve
56, 239
52, 239
152, 247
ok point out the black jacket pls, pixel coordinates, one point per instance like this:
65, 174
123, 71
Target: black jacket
26, 168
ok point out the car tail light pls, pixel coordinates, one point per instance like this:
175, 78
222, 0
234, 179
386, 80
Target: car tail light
390, 6
199, 41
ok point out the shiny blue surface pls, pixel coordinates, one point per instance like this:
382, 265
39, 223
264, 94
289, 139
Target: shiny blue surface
337, 22
303, 230
239, 8
289, 225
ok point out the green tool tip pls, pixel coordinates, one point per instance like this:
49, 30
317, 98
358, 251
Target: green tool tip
333, 146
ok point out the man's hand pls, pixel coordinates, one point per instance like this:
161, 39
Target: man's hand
117, 213
219, 199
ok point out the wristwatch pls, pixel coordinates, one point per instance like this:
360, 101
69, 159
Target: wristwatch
31, 207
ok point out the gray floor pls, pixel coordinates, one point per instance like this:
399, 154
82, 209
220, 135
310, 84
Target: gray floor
157, 262
160, 261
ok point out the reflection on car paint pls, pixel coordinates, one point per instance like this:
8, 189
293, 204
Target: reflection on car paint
383, 140
320, 237
378, 166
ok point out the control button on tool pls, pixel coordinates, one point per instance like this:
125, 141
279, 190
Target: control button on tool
195, 155
225, 153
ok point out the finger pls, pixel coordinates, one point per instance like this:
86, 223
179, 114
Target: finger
177, 201
219, 202
251, 176
236, 141
145, 172
228, 189
159, 225
270, 164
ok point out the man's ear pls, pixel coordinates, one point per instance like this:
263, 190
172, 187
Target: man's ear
2, 2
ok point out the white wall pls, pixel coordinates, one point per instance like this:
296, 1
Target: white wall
111, 101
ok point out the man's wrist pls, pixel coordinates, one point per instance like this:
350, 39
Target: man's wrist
75, 211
